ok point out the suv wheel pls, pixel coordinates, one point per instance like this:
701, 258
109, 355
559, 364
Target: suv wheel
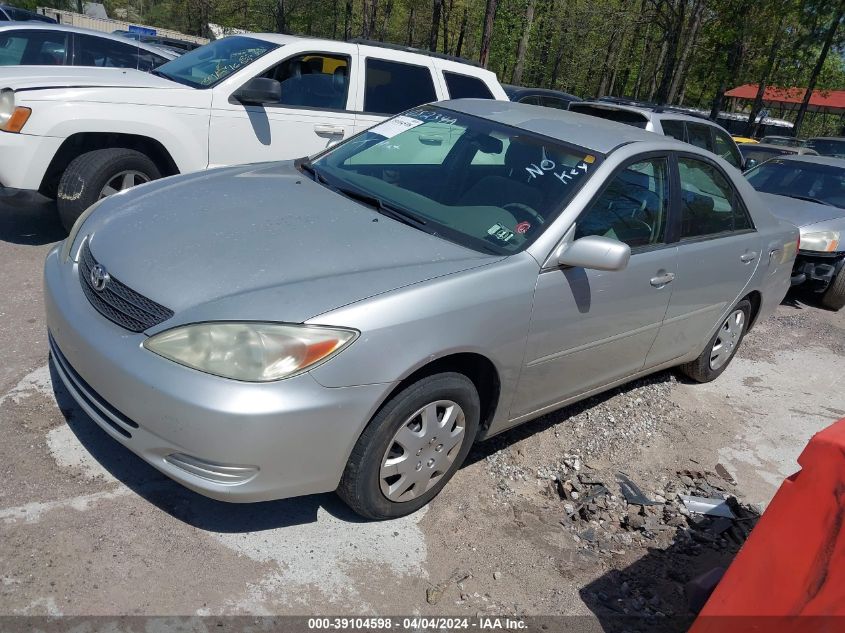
722, 347
412, 447
834, 296
97, 174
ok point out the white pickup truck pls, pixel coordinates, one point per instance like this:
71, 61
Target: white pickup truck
79, 134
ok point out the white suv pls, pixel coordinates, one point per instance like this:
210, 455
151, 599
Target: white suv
675, 122
81, 134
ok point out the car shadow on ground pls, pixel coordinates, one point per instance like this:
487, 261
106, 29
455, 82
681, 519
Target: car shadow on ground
801, 299
176, 500
32, 222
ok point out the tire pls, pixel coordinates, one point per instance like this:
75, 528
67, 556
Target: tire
703, 369
85, 178
834, 297
362, 486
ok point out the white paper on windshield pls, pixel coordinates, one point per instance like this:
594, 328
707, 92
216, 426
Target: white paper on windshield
400, 124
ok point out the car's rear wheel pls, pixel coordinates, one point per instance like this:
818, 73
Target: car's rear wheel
98, 174
412, 447
722, 347
834, 296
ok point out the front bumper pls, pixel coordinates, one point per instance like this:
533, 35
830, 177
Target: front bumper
815, 271
24, 159
225, 439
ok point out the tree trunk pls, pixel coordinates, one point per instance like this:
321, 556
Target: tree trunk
386, 22
281, 17
675, 22
523, 43
751, 124
446, 12
817, 69
487, 33
410, 41
334, 19
660, 60
347, 21
692, 36
462, 34
435, 25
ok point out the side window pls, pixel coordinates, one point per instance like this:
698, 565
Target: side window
391, 87
709, 205
97, 51
466, 87
554, 102
698, 134
726, 148
633, 207
313, 80
673, 128
531, 100
33, 48
147, 61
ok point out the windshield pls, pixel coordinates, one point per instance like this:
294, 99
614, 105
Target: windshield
480, 184
798, 179
828, 146
208, 65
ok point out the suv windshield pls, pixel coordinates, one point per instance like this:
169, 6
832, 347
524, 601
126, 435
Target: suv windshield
481, 184
210, 64
824, 184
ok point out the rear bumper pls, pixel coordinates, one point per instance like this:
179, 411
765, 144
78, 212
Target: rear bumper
24, 160
225, 439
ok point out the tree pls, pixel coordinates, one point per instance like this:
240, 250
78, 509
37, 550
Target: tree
487, 33
523, 43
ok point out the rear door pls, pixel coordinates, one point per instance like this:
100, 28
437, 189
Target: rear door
718, 251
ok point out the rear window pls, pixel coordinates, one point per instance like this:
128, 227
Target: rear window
628, 117
466, 87
392, 87
673, 128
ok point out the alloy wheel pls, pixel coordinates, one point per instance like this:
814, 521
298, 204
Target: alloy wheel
123, 180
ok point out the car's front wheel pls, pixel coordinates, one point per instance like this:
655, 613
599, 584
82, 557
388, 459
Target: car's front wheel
834, 296
97, 174
412, 447
722, 347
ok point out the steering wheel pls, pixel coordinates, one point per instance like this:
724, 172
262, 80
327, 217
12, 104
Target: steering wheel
519, 208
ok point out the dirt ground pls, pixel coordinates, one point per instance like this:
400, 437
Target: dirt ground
86, 528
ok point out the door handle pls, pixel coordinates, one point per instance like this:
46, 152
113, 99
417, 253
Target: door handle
748, 257
662, 280
329, 130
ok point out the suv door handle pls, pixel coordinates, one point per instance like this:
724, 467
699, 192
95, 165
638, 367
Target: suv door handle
748, 257
662, 280
329, 130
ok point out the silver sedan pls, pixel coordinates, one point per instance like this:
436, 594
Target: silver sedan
356, 322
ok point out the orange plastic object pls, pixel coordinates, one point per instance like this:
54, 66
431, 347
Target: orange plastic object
790, 574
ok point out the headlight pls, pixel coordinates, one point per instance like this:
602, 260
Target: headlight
820, 241
12, 119
254, 352
74, 231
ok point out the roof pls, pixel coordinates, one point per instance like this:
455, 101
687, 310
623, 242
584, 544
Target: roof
830, 161
830, 100
522, 91
791, 150
649, 111
589, 132
41, 26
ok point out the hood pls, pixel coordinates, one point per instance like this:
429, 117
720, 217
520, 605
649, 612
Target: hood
802, 213
260, 243
35, 77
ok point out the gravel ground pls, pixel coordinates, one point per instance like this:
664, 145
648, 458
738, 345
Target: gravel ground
535, 523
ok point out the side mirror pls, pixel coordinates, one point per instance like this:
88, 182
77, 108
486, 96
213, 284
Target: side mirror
750, 163
259, 90
597, 253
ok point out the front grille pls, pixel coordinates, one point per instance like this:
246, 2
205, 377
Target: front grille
83, 390
117, 302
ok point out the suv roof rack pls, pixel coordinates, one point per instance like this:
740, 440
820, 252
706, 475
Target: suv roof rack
411, 49
653, 106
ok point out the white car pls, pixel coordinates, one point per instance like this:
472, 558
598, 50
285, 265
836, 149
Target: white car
43, 44
81, 134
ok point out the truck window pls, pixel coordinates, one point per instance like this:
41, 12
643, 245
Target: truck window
466, 87
391, 87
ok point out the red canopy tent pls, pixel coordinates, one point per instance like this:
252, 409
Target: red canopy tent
789, 99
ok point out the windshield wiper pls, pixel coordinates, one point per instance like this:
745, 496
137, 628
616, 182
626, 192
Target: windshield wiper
807, 199
385, 208
304, 164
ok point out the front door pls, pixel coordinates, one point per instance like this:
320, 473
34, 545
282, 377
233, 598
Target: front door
315, 110
588, 327
718, 252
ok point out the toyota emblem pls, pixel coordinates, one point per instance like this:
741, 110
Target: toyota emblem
99, 277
